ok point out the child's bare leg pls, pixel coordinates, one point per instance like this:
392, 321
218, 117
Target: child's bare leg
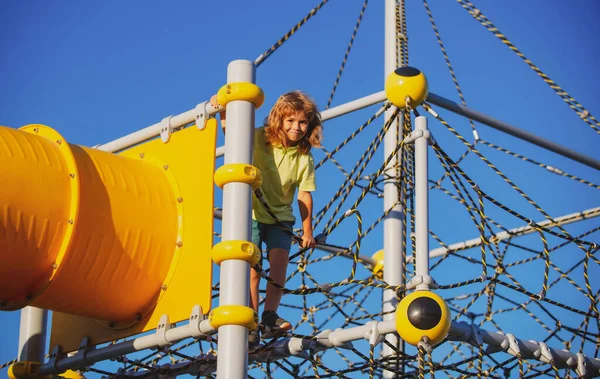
254, 282
278, 260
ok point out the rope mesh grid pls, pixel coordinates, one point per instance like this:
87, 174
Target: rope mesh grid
520, 279
543, 282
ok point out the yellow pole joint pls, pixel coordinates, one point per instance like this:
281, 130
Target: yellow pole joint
241, 91
70, 374
236, 249
26, 370
377, 269
238, 172
233, 315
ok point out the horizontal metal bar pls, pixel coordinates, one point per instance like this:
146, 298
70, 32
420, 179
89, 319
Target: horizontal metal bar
461, 331
152, 131
371, 331
512, 130
196, 327
515, 232
352, 106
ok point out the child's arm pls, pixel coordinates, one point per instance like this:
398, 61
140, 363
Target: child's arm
215, 104
305, 204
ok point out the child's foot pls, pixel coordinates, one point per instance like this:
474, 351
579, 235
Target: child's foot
253, 338
274, 325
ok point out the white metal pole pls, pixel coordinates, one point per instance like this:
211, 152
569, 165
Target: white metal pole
513, 131
32, 334
515, 232
422, 202
352, 106
232, 360
393, 232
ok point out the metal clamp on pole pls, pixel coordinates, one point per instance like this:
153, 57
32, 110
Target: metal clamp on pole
79, 359
581, 366
201, 115
420, 280
511, 345
544, 354
416, 134
163, 326
195, 318
166, 129
55, 356
373, 335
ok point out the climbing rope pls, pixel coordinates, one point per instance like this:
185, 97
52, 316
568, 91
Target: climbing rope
341, 70
553, 170
583, 113
261, 58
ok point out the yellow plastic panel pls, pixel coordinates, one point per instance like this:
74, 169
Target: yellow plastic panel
187, 163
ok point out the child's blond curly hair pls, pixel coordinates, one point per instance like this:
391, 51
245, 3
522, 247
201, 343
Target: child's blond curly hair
292, 102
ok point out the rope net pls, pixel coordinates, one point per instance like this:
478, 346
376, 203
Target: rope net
536, 286
538, 282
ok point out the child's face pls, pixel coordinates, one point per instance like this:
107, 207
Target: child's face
295, 126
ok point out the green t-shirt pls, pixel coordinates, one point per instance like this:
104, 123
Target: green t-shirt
283, 170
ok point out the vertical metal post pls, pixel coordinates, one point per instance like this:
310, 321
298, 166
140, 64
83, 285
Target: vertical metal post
32, 334
232, 359
393, 232
422, 203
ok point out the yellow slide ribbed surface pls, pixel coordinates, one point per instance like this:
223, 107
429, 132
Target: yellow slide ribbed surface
34, 212
124, 220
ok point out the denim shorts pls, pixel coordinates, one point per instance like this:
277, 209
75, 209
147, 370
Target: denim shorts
273, 235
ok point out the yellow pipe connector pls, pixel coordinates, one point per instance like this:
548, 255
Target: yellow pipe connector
241, 91
233, 315
235, 249
238, 173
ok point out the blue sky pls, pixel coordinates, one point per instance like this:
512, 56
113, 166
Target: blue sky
96, 71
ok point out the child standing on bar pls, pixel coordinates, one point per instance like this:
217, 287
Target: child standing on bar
282, 154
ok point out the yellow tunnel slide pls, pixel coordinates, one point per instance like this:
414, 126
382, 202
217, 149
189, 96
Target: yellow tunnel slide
86, 232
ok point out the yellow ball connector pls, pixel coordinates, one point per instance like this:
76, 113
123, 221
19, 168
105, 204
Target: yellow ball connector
422, 314
406, 82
